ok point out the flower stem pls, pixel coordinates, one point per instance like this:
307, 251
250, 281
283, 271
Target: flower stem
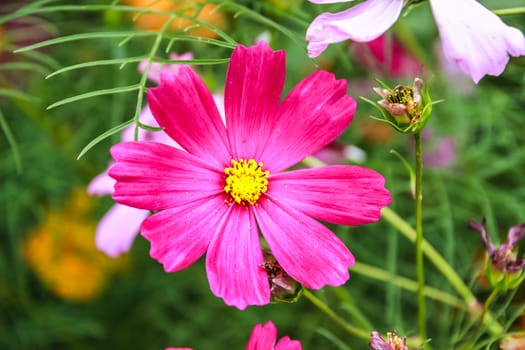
335, 317
419, 240
441, 264
406, 283
510, 11
486, 306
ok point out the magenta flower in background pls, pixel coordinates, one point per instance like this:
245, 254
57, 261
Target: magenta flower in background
387, 57
229, 182
118, 228
473, 37
264, 336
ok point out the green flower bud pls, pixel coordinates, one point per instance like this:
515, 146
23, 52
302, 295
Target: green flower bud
406, 108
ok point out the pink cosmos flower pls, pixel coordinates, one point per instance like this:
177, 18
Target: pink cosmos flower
473, 37
263, 337
229, 182
118, 228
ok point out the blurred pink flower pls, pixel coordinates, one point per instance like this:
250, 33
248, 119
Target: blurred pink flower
440, 151
387, 57
118, 228
229, 181
337, 152
264, 336
473, 37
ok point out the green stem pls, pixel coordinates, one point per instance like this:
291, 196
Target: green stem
422, 317
144, 78
511, 11
469, 344
441, 264
406, 283
335, 317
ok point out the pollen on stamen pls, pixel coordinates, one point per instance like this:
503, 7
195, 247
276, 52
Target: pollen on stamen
246, 181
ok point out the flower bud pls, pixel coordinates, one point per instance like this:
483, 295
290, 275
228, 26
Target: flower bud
406, 108
283, 288
504, 271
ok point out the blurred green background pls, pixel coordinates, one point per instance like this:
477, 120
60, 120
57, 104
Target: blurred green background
58, 292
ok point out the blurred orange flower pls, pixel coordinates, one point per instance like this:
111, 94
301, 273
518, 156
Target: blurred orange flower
62, 252
208, 13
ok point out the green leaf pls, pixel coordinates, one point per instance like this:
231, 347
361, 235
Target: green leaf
19, 95
12, 142
116, 90
121, 61
104, 135
83, 36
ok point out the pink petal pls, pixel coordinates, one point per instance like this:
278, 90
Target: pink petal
473, 37
234, 258
117, 230
263, 337
184, 107
181, 235
339, 194
313, 114
154, 176
362, 22
252, 94
285, 343
308, 251
101, 185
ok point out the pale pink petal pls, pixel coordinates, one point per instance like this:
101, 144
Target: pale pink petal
473, 37
313, 114
308, 251
181, 235
118, 228
285, 343
157, 68
234, 258
263, 337
101, 185
362, 22
328, 1
252, 94
339, 194
154, 176
184, 107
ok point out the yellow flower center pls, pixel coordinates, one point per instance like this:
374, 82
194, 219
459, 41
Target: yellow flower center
246, 181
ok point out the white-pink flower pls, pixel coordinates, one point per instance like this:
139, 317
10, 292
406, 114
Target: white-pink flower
229, 182
473, 37
118, 228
